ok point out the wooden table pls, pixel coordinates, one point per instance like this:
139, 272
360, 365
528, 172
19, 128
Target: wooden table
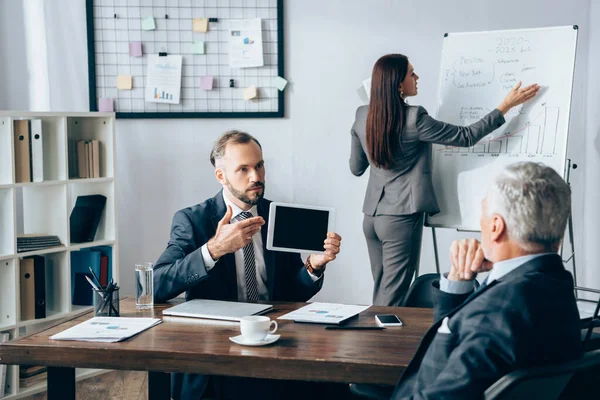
304, 352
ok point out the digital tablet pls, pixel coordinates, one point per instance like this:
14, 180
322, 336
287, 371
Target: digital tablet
298, 228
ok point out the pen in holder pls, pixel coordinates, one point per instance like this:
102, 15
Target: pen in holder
106, 301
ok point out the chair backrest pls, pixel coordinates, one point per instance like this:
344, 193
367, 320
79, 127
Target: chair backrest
420, 293
545, 383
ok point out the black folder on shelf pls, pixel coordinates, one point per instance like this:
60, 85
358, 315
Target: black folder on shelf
85, 217
39, 267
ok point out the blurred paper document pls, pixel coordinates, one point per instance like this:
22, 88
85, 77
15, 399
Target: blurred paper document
106, 329
245, 43
324, 313
163, 83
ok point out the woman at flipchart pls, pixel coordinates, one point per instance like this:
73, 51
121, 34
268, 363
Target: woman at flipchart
395, 140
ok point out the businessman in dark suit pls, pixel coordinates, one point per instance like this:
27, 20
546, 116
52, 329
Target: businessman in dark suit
217, 250
524, 313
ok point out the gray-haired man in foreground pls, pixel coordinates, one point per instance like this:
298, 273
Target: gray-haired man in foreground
524, 314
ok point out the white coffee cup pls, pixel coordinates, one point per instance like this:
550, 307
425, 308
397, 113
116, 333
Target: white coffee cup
255, 328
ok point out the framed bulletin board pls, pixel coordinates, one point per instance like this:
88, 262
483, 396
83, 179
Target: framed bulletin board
125, 36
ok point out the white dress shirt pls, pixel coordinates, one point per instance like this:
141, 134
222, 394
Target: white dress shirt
261, 269
500, 269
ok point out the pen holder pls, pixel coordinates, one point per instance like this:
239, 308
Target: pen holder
106, 302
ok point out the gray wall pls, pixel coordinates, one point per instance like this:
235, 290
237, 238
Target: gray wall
162, 165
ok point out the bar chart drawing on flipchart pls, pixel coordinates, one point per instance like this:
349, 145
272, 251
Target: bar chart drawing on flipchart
537, 137
477, 70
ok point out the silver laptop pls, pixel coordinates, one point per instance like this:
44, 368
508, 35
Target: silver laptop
216, 309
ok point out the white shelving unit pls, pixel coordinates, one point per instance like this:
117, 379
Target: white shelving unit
45, 207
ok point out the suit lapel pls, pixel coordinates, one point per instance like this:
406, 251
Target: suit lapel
269, 256
544, 262
229, 259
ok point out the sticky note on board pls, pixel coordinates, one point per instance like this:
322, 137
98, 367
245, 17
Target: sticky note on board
135, 49
250, 93
148, 24
206, 82
198, 47
280, 83
124, 82
200, 25
105, 105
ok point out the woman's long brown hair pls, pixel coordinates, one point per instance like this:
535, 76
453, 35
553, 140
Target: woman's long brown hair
385, 120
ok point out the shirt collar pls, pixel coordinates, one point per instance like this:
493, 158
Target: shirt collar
236, 210
504, 267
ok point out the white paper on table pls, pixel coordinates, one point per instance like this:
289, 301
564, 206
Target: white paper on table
245, 43
106, 329
163, 81
325, 313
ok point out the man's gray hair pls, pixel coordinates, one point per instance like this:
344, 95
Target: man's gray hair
233, 137
535, 203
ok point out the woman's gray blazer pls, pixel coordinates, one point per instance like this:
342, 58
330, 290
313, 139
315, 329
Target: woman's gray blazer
407, 187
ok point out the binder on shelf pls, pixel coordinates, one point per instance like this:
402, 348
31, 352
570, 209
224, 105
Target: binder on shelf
39, 273
81, 262
22, 151
27, 285
37, 151
105, 254
85, 217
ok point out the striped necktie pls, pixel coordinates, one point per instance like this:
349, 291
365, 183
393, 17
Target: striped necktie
249, 263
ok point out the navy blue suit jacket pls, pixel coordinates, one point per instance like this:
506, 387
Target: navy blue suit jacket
526, 318
181, 268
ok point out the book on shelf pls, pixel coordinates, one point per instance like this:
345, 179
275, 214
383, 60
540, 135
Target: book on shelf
88, 158
81, 262
32, 279
81, 160
85, 217
105, 262
4, 337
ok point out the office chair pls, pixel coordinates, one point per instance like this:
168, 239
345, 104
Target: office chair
546, 383
420, 293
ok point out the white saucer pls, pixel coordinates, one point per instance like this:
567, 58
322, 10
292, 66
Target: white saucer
267, 340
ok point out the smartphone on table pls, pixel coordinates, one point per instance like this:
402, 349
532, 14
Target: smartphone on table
385, 320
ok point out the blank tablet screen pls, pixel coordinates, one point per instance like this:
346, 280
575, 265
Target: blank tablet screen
299, 228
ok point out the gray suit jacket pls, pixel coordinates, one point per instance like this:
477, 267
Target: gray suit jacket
526, 318
407, 188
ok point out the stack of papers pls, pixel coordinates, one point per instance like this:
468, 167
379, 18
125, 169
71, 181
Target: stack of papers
324, 313
107, 329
